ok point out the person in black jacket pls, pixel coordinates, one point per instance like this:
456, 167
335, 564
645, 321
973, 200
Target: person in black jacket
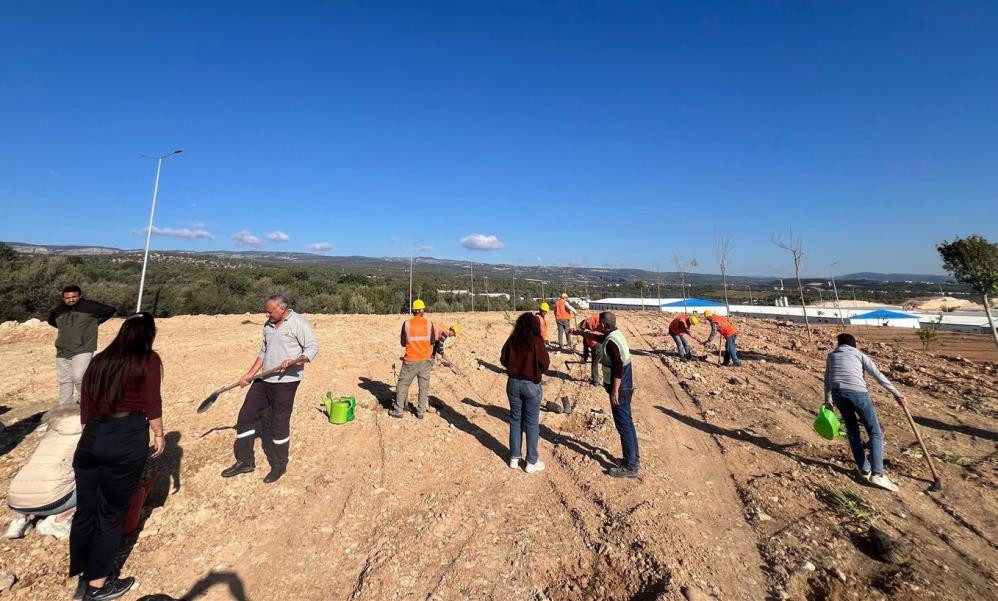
76, 319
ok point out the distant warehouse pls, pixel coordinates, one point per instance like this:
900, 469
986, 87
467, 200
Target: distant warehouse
665, 305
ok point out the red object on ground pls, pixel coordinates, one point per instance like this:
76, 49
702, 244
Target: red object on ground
138, 502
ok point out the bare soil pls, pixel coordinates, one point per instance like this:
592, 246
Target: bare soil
736, 498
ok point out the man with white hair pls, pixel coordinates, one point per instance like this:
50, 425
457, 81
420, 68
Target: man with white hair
288, 343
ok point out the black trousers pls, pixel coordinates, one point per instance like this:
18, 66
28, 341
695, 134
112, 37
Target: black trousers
280, 397
108, 463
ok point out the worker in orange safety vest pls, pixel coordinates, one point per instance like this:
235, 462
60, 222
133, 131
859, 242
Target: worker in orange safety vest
542, 319
417, 337
563, 311
727, 330
678, 329
591, 324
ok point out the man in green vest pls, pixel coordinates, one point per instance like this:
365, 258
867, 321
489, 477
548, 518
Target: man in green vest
618, 381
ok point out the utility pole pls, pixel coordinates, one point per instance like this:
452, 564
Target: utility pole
488, 304
152, 212
836, 290
749, 286
412, 249
472, 286
514, 288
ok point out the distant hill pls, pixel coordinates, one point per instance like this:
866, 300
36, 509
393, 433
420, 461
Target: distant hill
401, 265
448, 266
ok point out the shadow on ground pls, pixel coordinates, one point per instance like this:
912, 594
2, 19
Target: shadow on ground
231, 580
760, 441
935, 424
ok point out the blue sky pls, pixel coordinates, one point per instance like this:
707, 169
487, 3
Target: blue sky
573, 132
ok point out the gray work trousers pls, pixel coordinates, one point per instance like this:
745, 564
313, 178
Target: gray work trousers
597, 367
563, 326
420, 370
70, 373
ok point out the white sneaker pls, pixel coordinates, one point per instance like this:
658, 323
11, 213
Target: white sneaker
533, 468
19, 527
514, 462
884, 482
54, 527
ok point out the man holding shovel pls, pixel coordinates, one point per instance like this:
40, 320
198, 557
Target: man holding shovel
844, 384
721, 325
563, 312
288, 343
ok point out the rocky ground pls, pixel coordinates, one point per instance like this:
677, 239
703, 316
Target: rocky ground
738, 497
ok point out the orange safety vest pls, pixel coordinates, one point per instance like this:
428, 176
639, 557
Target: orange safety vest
724, 327
561, 310
544, 325
680, 325
418, 343
593, 323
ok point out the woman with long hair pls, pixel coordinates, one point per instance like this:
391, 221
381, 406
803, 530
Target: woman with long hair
119, 402
526, 359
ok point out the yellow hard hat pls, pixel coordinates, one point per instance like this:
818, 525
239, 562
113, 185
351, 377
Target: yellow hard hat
456, 329
545, 307
418, 304
693, 320
564, 295
708, 313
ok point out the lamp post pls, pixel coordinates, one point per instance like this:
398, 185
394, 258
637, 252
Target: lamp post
152, 213
836, 290
472, 265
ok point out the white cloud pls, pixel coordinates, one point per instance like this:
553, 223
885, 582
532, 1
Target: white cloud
321, 246
278, 236
245, 238
423, 248
198, 225
482, 242
185, 233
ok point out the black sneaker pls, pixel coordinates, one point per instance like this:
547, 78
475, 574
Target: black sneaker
238, 468
81, 589
420, 413
112, 589
622, 472
275, 475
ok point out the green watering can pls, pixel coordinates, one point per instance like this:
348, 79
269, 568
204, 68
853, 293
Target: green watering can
339, 409
826, 424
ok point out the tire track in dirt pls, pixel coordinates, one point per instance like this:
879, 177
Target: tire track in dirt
739, 508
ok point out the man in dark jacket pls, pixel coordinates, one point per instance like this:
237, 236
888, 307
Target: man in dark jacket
76, 319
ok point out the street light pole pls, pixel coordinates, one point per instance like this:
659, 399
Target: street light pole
152, 213
472, 265
836, 290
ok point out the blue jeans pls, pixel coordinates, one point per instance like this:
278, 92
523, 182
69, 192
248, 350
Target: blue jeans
682, 347
730, 354
524, 416
856, 408
625, 427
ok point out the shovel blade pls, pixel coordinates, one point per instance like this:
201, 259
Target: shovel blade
208, 402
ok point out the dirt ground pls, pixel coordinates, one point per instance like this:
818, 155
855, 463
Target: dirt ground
738, 498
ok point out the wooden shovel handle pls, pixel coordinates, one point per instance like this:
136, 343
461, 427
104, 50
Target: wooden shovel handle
921, 443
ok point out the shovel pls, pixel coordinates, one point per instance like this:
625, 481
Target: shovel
208, 402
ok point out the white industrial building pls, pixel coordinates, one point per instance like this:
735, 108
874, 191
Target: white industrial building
665, 305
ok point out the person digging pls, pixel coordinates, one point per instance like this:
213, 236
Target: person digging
846, 387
